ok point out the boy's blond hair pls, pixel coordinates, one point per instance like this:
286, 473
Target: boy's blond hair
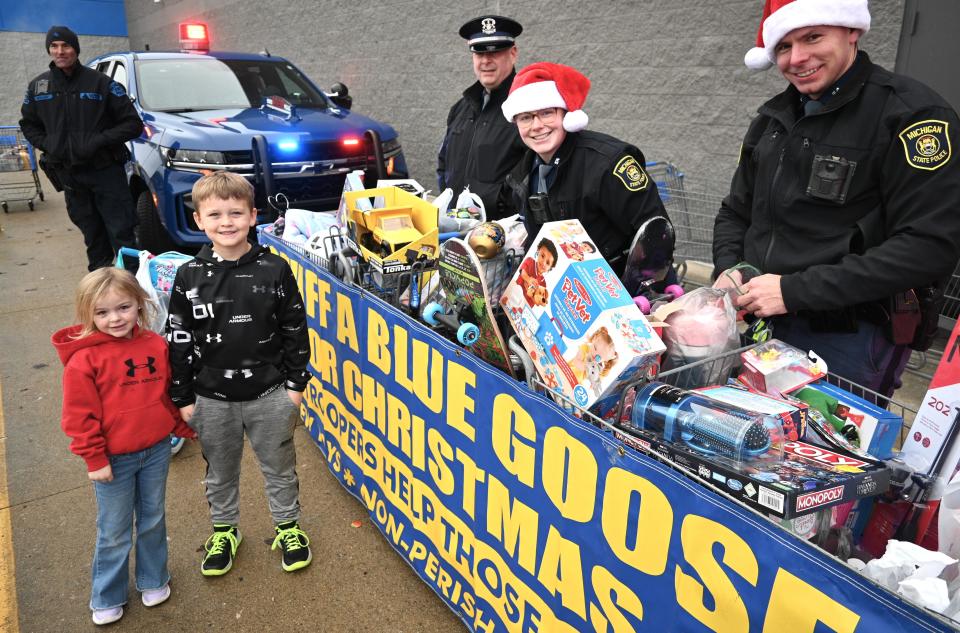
95, 284
223, 185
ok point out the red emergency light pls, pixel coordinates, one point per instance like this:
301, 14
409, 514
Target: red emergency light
194, 36
351, 142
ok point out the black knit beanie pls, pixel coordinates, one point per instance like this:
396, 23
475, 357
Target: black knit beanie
62, 34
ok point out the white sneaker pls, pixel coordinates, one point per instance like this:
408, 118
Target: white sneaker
106, 616
153, 597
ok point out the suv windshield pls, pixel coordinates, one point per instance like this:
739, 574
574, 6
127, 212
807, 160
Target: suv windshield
183, 85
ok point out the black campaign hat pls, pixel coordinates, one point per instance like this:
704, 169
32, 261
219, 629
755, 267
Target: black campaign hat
490, 33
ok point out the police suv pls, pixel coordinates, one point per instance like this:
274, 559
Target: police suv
253, 114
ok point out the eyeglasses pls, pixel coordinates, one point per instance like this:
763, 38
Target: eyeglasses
525, 119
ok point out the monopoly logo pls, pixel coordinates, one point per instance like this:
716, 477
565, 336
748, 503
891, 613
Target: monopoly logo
819, 498
822, 455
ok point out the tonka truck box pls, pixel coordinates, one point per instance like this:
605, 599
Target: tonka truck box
579, 324
391, 237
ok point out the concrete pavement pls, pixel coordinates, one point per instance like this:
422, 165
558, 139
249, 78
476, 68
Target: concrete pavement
47, 508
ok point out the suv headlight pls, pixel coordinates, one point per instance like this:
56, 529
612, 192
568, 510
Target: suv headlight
391, 146
194, 156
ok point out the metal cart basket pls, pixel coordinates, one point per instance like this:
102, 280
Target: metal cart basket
17, 155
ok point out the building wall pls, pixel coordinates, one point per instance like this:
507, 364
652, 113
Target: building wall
666, 75
24, 58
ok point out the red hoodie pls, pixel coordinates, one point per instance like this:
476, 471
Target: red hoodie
115, 393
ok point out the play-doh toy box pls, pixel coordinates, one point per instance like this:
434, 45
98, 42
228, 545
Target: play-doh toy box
582, 329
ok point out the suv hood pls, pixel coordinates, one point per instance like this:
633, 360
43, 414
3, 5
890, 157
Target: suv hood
230, 130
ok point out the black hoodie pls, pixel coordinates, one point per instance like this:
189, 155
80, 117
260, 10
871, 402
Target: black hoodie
237, 329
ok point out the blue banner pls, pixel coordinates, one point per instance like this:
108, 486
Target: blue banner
524, 518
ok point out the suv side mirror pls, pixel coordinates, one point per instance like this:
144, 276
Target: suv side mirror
340, 95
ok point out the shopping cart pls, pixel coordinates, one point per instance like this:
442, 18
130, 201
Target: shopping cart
17, 155
692, 214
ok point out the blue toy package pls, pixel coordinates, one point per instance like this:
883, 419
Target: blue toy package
878, 427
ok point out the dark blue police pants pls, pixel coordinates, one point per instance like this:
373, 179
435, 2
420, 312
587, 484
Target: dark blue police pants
100, 205
864, 357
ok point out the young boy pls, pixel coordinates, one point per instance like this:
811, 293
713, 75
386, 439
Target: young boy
239, 351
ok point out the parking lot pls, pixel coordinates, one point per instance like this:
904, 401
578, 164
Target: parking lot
47, 512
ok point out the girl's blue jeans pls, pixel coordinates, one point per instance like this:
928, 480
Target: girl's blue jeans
138, 490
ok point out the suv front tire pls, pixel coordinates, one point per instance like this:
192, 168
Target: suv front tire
150, 232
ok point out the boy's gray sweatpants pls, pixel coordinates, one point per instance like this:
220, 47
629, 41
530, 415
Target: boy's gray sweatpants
269, 424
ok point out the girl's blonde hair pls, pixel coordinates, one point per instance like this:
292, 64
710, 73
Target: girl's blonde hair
95, 284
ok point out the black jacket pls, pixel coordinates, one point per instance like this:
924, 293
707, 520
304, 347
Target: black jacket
237, 330
600, 181
898, 225
81, 119
480, 147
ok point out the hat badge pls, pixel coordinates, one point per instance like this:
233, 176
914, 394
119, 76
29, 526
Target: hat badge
488, 26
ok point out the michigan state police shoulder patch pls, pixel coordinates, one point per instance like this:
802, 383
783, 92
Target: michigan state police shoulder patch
926, 144
631, 174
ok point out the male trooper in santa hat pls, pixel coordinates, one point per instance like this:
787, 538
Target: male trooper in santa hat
569, 172
847, 196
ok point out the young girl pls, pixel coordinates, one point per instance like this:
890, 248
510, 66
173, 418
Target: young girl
119, 418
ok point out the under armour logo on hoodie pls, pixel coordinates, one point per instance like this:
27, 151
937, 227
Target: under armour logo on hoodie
133, 367
231, 373
211, 338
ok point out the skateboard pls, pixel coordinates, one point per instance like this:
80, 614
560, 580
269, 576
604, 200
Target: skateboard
649, 264
467, 305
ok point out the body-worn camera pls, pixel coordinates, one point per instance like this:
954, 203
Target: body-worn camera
830, 178
539, 206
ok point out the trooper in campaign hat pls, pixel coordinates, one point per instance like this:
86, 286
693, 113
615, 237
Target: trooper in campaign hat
490, 33
479, 147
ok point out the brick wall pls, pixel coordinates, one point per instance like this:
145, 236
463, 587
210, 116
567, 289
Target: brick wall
666, 75
24, 58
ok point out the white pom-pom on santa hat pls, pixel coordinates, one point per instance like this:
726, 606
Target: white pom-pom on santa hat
782, 16
545, 85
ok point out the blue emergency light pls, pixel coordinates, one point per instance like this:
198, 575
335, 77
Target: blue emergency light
288, 145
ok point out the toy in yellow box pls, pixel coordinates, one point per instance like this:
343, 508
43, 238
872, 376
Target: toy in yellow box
395, 236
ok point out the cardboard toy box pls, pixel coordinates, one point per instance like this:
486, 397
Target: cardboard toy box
808, 479
792, 415
575, 318
879, 428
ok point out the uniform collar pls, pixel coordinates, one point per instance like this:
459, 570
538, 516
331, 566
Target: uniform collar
76, 70
786, 106
475, 92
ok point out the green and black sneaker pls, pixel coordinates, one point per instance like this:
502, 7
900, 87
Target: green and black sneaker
294, 544
221, 548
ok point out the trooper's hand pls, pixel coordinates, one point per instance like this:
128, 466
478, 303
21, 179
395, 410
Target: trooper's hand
762, 296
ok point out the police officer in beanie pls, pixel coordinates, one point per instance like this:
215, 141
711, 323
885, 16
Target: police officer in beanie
81, 119
846, 196
479, 147
572, 173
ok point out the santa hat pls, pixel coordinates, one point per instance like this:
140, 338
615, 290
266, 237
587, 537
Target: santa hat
544, 85
782, 16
